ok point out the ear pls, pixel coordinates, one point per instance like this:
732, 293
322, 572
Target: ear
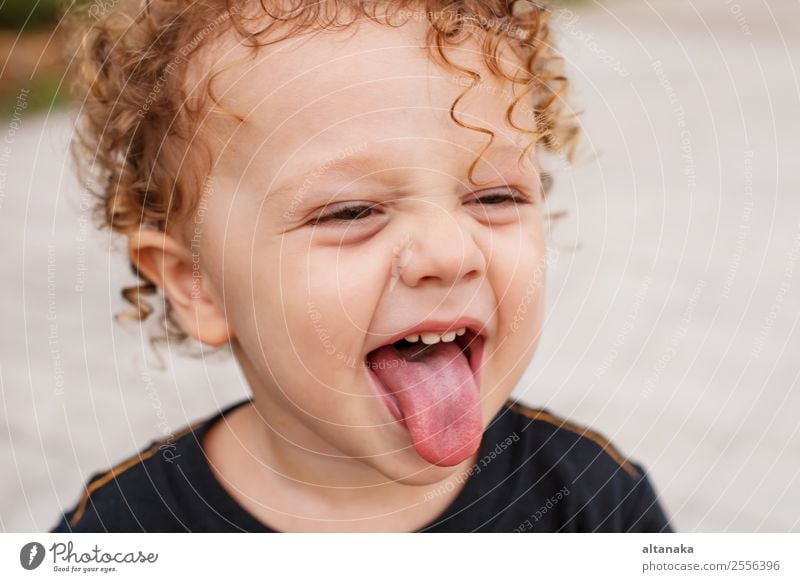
166, 262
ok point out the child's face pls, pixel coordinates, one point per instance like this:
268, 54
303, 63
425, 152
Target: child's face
346, 121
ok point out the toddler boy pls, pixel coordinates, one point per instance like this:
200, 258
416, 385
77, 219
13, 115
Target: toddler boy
346, 194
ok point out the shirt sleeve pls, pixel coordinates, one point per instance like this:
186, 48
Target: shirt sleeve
84, 517
643, 511
64, 526
108, 504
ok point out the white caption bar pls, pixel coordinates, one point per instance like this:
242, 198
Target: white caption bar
400, 557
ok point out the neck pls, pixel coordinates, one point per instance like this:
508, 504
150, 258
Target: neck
291, 479
291, 488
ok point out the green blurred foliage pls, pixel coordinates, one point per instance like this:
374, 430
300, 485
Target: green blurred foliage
44, 93
24, 14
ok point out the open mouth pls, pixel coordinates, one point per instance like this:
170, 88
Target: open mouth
413, 350
470, 343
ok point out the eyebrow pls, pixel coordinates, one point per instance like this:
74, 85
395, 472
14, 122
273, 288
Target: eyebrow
359, 161
345, 165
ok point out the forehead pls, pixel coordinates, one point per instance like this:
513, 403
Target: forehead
370, 88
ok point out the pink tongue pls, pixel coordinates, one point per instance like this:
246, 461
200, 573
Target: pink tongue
438, 397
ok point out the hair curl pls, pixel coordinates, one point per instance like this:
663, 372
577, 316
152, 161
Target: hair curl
136, 123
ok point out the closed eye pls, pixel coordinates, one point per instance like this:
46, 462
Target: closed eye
502, 197
360, 211
345, 214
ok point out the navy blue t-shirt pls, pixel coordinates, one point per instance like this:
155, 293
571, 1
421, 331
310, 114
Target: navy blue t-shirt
535, 473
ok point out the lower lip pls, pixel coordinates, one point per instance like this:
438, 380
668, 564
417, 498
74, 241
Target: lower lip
475, 364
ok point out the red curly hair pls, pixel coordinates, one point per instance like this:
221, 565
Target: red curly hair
136, 121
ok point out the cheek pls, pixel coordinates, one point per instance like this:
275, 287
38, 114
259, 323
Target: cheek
345, 286
303, 318
519, 272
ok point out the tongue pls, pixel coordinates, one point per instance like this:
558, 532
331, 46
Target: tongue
438, 397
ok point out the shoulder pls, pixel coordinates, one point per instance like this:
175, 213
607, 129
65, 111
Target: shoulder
141, 493
573, 445
607, 491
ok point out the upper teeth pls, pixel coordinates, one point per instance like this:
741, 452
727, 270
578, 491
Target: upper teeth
430, 338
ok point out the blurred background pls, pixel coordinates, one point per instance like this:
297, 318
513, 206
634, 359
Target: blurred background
673, 293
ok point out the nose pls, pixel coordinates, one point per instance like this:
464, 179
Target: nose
442, 250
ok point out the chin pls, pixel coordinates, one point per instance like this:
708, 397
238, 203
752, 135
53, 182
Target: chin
413, 470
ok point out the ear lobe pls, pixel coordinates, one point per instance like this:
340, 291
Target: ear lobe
176, 271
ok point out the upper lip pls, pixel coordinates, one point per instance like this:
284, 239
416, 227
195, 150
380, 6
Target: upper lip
436, 326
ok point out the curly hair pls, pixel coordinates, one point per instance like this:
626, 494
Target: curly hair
136, 119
